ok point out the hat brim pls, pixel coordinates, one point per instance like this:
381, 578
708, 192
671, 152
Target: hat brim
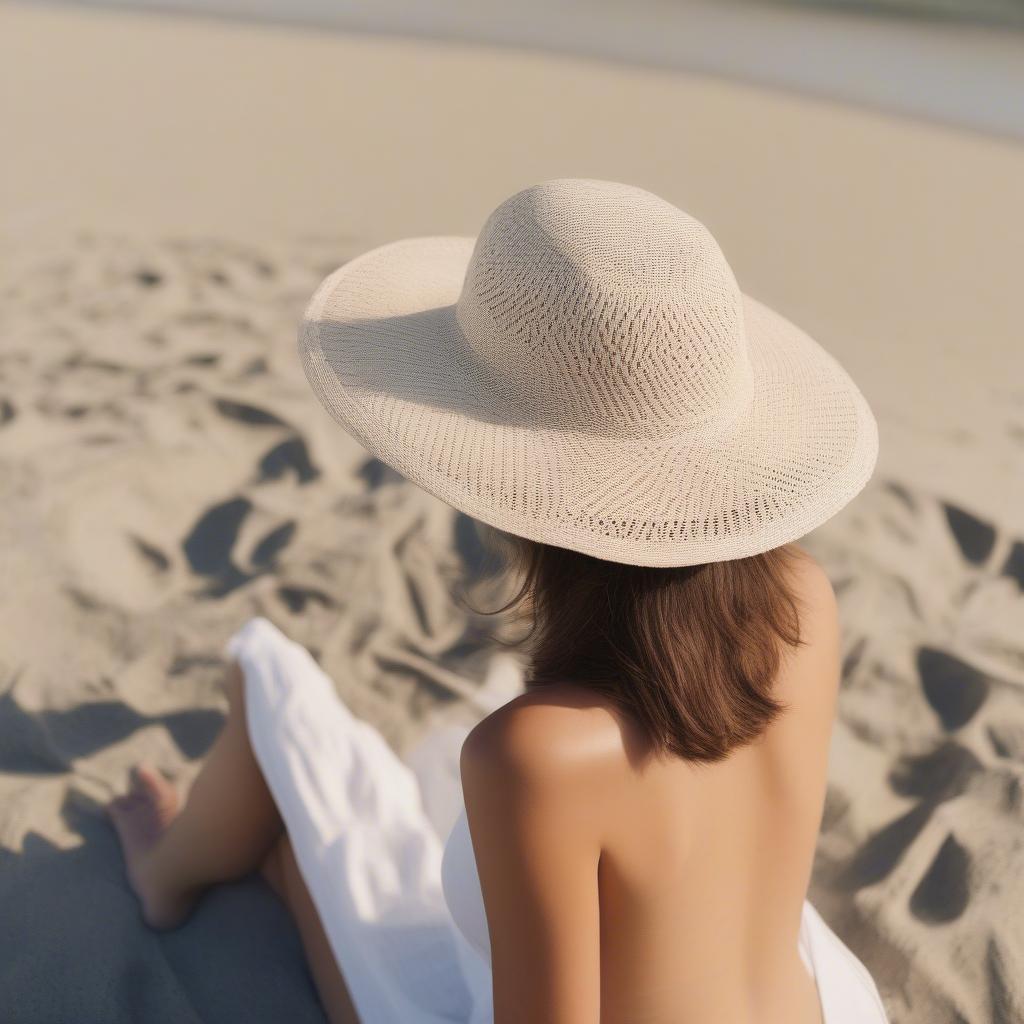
383, 352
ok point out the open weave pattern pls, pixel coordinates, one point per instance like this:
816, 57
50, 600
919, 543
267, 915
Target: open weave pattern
587, 373
603, 307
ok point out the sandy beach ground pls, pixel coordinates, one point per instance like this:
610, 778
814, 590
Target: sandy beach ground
172, 191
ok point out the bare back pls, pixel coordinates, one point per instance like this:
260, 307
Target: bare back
691, 863
701, 861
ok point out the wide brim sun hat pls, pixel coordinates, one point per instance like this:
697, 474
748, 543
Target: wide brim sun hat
587, 373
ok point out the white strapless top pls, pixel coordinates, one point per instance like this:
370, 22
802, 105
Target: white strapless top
461, 885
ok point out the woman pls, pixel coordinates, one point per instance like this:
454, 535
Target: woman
647, 444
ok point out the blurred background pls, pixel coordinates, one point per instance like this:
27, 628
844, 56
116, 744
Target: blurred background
177, 178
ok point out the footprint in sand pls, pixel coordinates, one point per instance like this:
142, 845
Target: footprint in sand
296, 598
209, 544
940, 774
934, 777
376, 474
1007, 739
264, 555
151, 553
50, 740
877, 857
254, 368
203, 359
954, 689
975, 538
148, 278
1014, 564
943, 893
252, 415
290, 455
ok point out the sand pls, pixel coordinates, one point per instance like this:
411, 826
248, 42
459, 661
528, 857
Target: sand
165, 472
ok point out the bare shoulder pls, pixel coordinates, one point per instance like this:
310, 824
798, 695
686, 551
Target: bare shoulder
814, 671
816, 597
537, 831
562, 734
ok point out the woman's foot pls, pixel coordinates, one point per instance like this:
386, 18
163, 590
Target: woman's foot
140, 818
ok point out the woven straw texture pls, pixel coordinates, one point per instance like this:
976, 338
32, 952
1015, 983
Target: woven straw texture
587, 373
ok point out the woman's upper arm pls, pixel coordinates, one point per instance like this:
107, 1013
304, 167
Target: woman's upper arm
531, 808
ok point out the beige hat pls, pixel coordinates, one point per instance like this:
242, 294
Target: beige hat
587, 373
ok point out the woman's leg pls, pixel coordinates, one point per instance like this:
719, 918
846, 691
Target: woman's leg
282, 872
228, 827
225, 829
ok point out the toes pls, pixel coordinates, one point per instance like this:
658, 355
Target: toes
151, 784
157, 797
144, 778
123, 806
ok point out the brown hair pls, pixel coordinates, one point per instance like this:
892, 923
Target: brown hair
689, 653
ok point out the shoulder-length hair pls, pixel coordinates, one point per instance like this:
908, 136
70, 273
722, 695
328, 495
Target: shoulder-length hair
690, 654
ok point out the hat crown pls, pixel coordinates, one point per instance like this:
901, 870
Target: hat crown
607, 309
